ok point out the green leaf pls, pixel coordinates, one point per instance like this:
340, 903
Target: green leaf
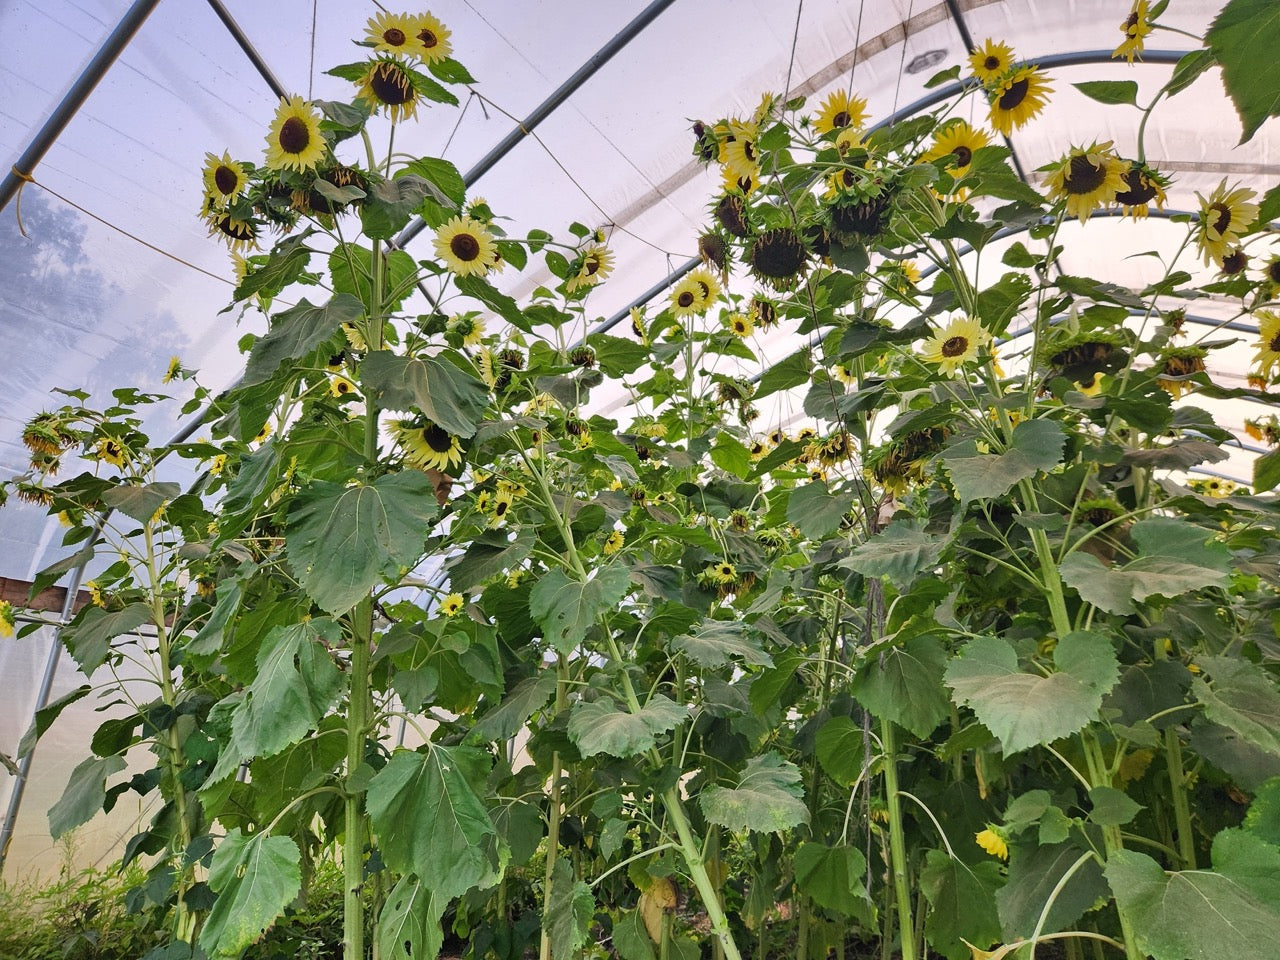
602, 726
297, 682
1027, 709
1202, 914
46, 715
1112, 807
789, 372
566, 609
1266, 472
904, 685
815, 511
89, 637
767, 798
900, 552
389, 205
409, 926
430, 821
298, 331
829, 876
569, 911
505, 720
731, 456
962, 904
1243, 38
1033, 875
140, 502
718, 642
1187, 70
350, 266
288, 261
342, 541
1242, 697
1110, 91
255, 878
618, 356
841, 750
84, 794
630, 939
443, 174
481, 289
448, 396
1037, 445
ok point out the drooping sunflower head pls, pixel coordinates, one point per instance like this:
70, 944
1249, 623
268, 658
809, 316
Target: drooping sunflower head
778, 257
1142, 187
1177, 366
295, 141
956, 344
427, 444
594, 264
840, 111
224, 180
1224, 216
1136, 28
1267, 352
466, 246
387, 84
763, 312
1017, 98
731, 212
1234, 263
991, 61
713, 251
1088, 178
240, 235
430, 39
391, 33
861, 219
1271, 275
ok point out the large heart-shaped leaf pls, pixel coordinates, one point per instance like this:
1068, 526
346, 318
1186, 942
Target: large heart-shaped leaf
450, 397
1037, 445
255, 878
296, 332
566, 608
767, 798
602, 726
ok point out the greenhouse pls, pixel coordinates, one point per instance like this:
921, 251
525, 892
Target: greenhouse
686, 480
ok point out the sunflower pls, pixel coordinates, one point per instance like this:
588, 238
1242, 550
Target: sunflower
7, 619
174, 371
224, 180
956, 345
387, 84
265, 432
1271, 275
1177, 366
738, 151
840, 110
763, 312
1267, 356
1135, 28
708, 286
722, 573
953, 147
341, 387
993, 841
111, 450
466, 246
740, 325
595, 263
1087, 178
613, 543
295, 141
991, 60
391, 33
686, 297
466, 327
903, 275
240, 235
1142, 185
427, 444
713, 251
451, 605
1017, 98
1224, 216
1234, 263
431, 39
731, 212
778, 257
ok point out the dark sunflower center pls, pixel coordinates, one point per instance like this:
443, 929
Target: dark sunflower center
1083, 176
428, 39
1141, 190
706, 291
732, 214
963, 155
294, 135
111, 448
236, 229
841, 119
590, 266
1273, 271
465, 247
391, 86
437, 438
991, 63
748, 149
1274, 345
685, 300
1014, 94
225, 179
394, 37
500, 507
1130, 22
344, 387
778, 254
1234, 263
1222, 218
847, 178
955, 346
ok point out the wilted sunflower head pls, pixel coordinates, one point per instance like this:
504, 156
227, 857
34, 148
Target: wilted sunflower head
713, 251
1142, 187
777, 257
731, 212
1176, 367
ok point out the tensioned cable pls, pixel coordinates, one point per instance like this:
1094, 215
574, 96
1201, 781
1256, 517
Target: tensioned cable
311, 66
795, 38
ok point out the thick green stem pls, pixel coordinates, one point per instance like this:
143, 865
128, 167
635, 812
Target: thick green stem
1112, 841
555, 813
353, 813
1178, 791
897, 842
698, 871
